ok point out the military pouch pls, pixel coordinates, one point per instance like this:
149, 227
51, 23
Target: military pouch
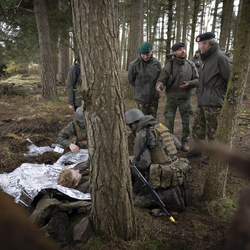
169, 175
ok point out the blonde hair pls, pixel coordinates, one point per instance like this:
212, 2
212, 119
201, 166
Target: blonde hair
66, 179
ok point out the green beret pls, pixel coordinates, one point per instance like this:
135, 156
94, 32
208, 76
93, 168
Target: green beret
145, 47
205, 36
177, 46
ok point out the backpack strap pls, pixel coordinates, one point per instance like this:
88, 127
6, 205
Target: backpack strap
145, 146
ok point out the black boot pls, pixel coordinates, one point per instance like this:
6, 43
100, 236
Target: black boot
186, 193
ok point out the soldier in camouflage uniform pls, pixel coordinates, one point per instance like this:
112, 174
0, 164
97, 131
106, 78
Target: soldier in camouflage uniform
155, 156
179, 76
214, 76
74, 135
142, 75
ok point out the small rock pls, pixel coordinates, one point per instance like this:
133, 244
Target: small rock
82, 230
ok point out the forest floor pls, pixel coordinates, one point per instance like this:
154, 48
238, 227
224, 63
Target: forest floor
25, 114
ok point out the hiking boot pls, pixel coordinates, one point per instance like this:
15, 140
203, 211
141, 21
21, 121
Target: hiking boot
193, 153
206, 161
185, 147
186, 193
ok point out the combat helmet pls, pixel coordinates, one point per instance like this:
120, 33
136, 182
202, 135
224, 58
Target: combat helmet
79, 115
133, 115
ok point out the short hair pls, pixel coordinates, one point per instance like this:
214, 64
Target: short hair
66, 179
211, 42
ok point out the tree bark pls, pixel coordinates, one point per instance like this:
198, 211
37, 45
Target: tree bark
96, 30
178, 19
136, 36
185, 22
226, 21
48, 77
193, 27
215, 185
215, 15
170, 24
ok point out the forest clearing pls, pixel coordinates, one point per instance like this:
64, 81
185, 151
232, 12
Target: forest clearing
26, 114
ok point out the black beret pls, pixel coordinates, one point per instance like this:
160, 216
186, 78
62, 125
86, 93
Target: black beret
205, 36
197, 51
177, 46
145, 47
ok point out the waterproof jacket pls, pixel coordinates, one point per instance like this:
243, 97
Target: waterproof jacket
139, 131
214, 76
197, 62
73, 81
70, 130
142, 76
183, 70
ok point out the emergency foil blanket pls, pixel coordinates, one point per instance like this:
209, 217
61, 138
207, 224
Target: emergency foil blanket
25, 182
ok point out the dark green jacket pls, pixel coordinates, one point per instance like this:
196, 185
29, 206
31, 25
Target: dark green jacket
64, 136
183, 70
197, 62
72, 83
142, 76
214, 77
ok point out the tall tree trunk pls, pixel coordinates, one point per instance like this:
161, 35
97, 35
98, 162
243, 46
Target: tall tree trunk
161, 53
215, 15
125, 51
193, 27
178, 20
215, 185
202, 17
96, 29
136, 36
185, 21
123, 41
226, 21
170, 24
48, 77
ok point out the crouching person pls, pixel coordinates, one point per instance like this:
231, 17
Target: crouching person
74, 129
155, 156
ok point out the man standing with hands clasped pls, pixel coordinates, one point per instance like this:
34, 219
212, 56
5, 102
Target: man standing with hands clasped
179, 76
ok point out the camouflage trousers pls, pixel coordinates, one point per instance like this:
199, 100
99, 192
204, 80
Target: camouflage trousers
148, 108
205, 123
185, 110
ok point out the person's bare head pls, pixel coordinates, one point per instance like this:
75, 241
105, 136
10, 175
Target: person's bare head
69, 178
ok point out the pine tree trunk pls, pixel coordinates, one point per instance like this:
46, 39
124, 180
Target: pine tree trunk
215, 185
136, 37
96, 30
48, 77
178, 19
215, 15
170, 24
185, 21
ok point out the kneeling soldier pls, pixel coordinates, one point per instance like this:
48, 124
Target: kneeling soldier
155, 156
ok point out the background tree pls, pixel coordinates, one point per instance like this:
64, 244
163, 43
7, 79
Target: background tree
136, 36
48, 77
215, 185
96, 30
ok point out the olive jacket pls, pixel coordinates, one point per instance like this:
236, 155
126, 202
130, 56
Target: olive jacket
214, 76
183, 70
142, 76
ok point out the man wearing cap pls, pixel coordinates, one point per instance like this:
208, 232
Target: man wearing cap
179, 76
197, 60
214, 76
142, 75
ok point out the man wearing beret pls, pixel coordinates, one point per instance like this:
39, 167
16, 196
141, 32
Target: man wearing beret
142, 75
214, 76
179, 76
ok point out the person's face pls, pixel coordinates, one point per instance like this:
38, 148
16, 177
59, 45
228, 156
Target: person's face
76, 175
203, 47
146, 57
180, 53
197, 54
